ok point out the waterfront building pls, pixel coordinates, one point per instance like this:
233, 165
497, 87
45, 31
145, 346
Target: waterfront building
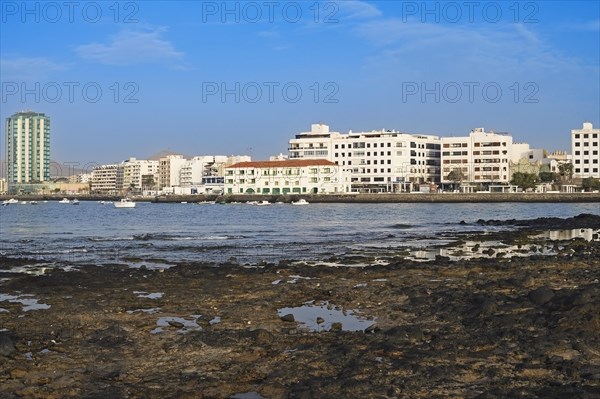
139, 174
585, 150
3, 186
480, 157
295, 176
27, 148
169, 168
378, 161
105, 179
526, 160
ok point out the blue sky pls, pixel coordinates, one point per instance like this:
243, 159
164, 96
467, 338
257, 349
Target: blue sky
528, 68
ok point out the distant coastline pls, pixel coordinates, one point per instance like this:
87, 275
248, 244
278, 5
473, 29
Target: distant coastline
342, 198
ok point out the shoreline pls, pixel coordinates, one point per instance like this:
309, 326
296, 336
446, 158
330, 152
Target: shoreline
343, 198
478, 328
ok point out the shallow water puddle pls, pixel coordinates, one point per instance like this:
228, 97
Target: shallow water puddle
183, 325
28, 303
151, 295
563, 235
321, 316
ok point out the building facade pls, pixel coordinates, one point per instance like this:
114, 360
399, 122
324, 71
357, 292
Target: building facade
479, 158
298, 176
105, 179
169, 168
378, 161
27, 148
139, 174
585, 151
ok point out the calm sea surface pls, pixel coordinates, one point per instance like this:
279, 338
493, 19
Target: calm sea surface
159, 234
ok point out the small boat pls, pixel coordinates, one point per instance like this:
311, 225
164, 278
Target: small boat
262, 203
206, 202
10, 201
33, 202
75, 202
301, 201
125, 203
64, 201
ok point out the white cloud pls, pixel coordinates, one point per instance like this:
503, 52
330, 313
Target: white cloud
28, 68
132, 47
494, 48
356, 9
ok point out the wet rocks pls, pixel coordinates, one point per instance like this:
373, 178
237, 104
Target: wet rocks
7, 345
288, 318
541, 296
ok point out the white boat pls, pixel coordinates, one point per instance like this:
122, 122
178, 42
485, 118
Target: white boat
301, 201
125, 203
64, 201
262, 203
10, 201
33, 202
75, 202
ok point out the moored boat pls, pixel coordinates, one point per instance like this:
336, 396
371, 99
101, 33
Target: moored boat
125, 203
301, 201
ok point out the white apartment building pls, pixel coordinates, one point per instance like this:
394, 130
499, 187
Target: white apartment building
481, 157
378, 161
169, 168
585, 151
196, 169
105, 179
139, 174
297, 176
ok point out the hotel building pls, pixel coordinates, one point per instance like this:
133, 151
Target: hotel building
27, 148
139, 174
105, 179
585, 151
481, 157
378, 161
297, 176
168, 170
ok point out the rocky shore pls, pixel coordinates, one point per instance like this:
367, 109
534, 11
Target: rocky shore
488, 327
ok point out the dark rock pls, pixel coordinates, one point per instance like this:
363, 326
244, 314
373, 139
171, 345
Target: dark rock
288, 317
262, 337
7, 345
337, 326
320, 320
175, 324
541, 296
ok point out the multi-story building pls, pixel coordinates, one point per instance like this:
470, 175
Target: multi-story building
585, 147
27, 148
481, 157
378, 161
297, 176
105, 179
139, 174
168, 170
194, 171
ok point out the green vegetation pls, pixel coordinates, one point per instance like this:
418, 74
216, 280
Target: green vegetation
590, 184
525, 180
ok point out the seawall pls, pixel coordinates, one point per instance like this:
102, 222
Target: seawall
343, 198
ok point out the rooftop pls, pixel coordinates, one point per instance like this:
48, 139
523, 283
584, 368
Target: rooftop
291, 163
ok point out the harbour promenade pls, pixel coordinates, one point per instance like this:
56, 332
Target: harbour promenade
481, 197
